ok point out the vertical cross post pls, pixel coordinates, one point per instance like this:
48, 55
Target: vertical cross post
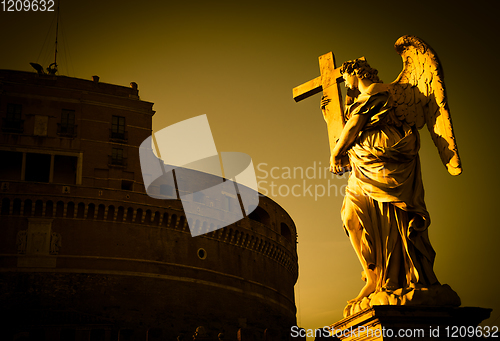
329, 83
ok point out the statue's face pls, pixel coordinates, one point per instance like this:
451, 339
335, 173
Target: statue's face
351, 81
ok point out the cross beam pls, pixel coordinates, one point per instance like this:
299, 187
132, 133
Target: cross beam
329, 83
329, 76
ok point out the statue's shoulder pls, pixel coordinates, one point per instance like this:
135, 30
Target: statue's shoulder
378, 88
376, 98
376, 92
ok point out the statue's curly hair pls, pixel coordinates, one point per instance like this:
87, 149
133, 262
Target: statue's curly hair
360, 68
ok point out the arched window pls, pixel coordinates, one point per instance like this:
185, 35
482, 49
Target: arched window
164, 222
182, 219
38, 208
173, 221
28, 207
81, 211
5, 206
49, 208
70, 210
120, 214
138, 216
156, 220
91, 211
285, 232
147, 219
59, 209
100, 212
111, 213
130, 214
260, 215
227, 238
16, 208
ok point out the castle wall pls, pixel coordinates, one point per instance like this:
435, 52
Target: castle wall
79, 235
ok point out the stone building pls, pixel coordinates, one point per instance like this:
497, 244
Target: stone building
85, 254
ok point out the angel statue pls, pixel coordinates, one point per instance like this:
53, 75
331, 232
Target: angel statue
384, 212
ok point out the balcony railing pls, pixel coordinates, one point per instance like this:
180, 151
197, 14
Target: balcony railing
12, 126
66, 130
117, 162
118, 137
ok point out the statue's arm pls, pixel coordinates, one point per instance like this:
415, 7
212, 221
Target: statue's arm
351, 130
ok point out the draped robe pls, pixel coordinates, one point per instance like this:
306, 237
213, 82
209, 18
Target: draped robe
385, 197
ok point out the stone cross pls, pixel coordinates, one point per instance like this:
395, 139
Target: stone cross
329, 83
329, 76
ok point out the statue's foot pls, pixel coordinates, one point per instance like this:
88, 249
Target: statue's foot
369, 288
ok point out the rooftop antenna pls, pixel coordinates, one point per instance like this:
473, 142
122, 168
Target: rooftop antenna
52, 69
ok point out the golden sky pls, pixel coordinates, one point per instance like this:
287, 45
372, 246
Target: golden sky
237, 62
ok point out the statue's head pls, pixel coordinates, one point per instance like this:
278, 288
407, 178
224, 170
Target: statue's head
360, 68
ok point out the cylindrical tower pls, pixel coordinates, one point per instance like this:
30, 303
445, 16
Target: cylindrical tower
84, 252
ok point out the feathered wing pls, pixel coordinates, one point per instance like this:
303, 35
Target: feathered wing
420, 97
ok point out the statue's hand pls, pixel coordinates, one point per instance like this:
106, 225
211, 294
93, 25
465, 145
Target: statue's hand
324, 102
336, 165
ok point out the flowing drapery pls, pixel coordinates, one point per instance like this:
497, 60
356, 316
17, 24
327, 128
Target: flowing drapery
385, 197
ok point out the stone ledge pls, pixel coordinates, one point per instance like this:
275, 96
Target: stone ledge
430, 323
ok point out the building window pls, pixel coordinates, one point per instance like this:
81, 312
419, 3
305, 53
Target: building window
37, 167
285, 232
260, 215
118, 128
70, 210
14, 112
5, 206
127, 185
202, 254
67, 126
64, 170
28, 207
12, 165
13, 122
90, 211
117, 158
40, 167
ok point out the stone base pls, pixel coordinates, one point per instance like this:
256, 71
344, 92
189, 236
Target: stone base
385, 322
439, 295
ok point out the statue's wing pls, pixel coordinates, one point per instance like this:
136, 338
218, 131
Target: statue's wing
420, 97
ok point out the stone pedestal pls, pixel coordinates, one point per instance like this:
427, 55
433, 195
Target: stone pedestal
411, 322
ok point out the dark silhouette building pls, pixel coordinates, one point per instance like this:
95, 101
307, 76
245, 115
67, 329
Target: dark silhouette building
85, 254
